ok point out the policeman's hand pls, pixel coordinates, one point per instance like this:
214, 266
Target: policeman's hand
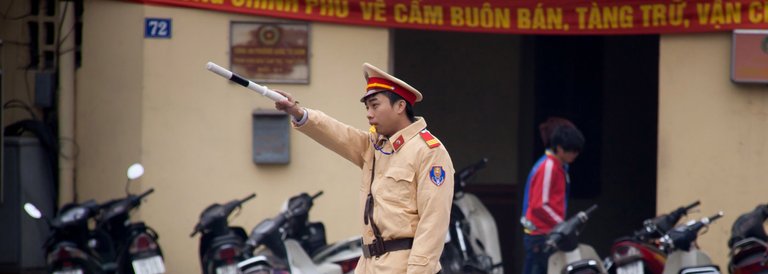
290, 105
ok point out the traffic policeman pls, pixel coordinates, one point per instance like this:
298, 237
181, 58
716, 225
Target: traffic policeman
407, 182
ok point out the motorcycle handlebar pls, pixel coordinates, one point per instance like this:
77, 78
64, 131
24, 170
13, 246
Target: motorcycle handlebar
718, 215
481, 164
253, 195
471, 169
145, 194
229, 207
691, 206
590, 210
664, 223
706, 221
217, 211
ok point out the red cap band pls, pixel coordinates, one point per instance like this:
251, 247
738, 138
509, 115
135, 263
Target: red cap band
380, 84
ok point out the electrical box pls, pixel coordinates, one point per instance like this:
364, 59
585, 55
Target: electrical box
27, 178
45, 88
271, 137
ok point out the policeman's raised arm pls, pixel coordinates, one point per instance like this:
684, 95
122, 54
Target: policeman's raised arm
290, 106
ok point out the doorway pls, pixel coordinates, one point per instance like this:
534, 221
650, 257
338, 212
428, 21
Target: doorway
485, 94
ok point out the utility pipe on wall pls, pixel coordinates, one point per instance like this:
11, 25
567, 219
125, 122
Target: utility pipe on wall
66, 107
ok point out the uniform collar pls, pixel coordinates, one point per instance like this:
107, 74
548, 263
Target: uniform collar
398, 139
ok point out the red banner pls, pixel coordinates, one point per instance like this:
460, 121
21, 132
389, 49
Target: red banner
508, 16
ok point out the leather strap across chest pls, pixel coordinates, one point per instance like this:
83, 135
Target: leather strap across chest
379, 246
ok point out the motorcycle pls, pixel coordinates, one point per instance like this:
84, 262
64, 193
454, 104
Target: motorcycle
749, 250
66, 247
684, 256
288, 243
472, 241
221, 245
125, 246
641, 253
115, 245
572, 257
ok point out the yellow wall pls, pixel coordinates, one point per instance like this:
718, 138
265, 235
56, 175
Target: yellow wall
713, 135
109, 99
151, 100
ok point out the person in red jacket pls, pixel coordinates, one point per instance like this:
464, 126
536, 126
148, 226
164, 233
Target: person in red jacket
546, 193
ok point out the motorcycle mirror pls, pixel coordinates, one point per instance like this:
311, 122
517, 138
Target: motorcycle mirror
135, 171
32, 211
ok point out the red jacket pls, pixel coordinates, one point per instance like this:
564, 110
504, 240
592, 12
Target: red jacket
545, 196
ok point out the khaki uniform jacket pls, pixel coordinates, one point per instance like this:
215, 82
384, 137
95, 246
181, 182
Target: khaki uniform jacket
412, 196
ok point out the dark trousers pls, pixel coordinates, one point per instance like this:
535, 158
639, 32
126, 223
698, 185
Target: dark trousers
535, 256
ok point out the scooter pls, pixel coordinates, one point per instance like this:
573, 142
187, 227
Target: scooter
472, 241
684, 256
114, 246
131, 247
66, 248
572, 257
281, 244
641, 253
749, 250
221, 245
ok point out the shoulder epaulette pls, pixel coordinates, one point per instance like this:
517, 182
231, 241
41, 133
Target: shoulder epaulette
429, 139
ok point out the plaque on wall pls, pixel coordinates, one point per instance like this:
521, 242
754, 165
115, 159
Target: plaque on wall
270, 52
749, 56
271, 138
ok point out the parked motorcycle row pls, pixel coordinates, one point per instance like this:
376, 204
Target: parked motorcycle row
289, 243
286, 243
91, 237
661, 247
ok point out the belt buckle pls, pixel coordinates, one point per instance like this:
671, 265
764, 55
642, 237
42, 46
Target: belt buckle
366, 251
374, 249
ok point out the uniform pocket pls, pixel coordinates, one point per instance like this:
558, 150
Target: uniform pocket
398, 184
417, 260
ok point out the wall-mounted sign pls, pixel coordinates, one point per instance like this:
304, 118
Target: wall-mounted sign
749, 56
157, 28
270, 52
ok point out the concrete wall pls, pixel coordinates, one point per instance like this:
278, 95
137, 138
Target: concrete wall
152, 101
14, 60
713, 135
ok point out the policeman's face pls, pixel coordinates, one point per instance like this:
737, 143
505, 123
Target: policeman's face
382, 114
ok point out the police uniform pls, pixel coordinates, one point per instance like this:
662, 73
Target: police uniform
407, 184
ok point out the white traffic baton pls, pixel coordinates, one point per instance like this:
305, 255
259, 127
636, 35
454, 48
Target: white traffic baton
263, 90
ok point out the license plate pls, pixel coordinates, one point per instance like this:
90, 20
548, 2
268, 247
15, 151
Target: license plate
71, 271
151, 265
632, 268
227, 269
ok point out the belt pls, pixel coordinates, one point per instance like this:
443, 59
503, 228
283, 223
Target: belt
377, 249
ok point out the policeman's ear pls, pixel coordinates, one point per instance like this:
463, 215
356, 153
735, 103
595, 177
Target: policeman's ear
400, 106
